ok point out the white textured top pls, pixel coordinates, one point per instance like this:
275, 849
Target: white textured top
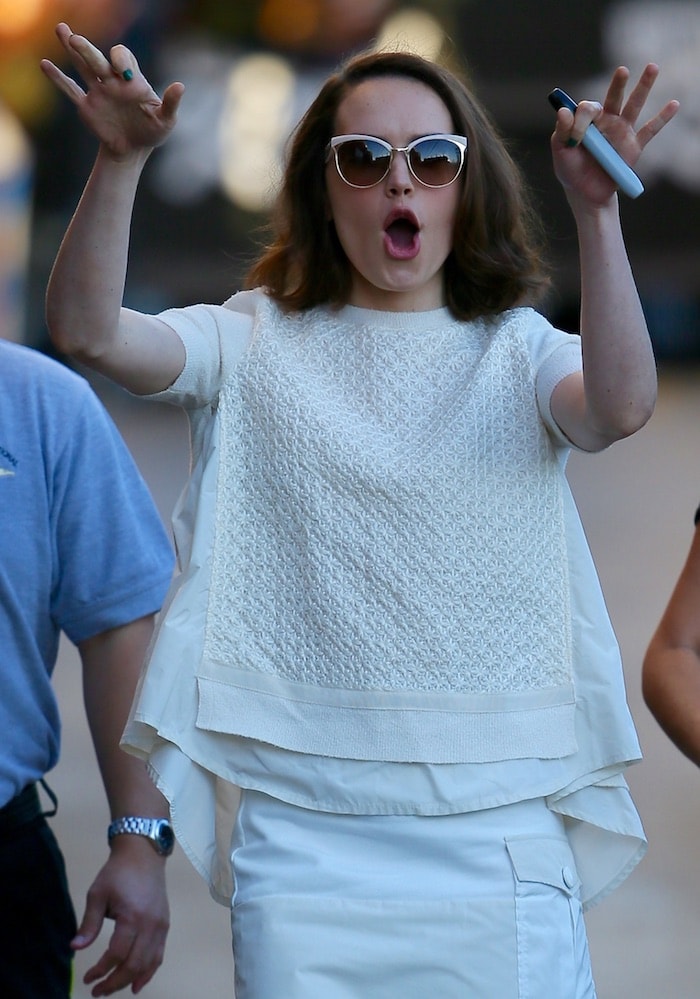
390, 512
338, 461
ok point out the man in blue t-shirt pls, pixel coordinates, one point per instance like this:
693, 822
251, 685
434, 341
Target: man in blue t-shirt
82, 551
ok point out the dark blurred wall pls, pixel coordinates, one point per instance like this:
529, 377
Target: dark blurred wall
517, 52
512, 52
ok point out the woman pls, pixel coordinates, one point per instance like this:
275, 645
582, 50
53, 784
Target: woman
387, 659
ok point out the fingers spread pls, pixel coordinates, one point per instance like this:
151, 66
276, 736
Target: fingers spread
65, 84
171, 102
616, 91
639, 95
123, 62
654, 126
92, 64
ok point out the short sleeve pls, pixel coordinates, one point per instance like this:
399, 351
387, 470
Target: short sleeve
554, 355
565, 360
214, 338
113, 558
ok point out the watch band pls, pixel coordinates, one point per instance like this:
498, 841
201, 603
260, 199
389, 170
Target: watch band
158, 831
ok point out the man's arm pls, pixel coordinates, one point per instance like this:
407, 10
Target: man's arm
671, 669
130, 888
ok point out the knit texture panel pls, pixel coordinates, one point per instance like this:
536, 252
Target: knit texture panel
390, 513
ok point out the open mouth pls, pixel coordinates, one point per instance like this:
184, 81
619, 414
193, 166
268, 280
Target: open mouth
401, 238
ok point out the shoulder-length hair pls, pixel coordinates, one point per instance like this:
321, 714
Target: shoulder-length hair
495, 262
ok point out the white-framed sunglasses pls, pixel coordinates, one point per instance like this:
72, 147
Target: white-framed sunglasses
365, 160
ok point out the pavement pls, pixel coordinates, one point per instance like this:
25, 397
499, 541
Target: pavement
637, 502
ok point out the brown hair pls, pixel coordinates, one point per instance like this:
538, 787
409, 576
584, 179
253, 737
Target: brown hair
495, 262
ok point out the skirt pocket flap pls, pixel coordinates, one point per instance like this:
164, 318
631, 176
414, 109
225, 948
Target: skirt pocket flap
544, 860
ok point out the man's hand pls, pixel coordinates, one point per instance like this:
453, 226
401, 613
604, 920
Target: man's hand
130, 889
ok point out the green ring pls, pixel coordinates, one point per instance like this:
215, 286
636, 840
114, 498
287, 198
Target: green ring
128, 74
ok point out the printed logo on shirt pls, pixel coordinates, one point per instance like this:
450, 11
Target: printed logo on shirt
7, 459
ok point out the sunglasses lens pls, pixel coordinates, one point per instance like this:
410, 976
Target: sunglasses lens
362, 162
436, 162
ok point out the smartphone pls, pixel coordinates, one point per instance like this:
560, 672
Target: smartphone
599, 147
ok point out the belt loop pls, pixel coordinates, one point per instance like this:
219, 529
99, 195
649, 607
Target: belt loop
53, 798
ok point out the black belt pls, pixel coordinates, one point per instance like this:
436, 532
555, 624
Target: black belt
23, 808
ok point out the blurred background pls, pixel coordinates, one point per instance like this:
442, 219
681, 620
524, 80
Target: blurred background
250, 68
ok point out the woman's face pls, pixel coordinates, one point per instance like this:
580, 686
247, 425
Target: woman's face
397, 234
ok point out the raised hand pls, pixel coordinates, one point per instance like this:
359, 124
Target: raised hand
118, 105
617, 120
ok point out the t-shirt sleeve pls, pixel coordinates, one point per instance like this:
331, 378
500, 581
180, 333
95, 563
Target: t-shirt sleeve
565, 360
214, 338
114, 560
555, 355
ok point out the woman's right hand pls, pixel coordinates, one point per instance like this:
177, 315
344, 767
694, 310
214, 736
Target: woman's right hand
118, 105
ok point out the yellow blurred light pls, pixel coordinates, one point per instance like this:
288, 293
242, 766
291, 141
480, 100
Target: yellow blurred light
16, 18
27, 34
328, 27
23, 87
412, 30
255, 122
289, 24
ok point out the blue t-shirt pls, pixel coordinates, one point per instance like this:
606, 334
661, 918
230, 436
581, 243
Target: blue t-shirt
82, 547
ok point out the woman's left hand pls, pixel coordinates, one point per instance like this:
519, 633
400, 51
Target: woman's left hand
575, 168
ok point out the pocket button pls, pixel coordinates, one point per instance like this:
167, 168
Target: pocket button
568, 877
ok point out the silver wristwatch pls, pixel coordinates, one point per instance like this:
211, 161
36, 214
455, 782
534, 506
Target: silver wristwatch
159, 831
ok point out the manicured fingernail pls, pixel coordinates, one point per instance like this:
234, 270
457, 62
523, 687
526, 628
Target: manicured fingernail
128, 74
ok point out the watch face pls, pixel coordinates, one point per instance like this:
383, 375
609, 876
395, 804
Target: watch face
165, 837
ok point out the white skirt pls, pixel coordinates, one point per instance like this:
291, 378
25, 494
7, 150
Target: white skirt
478, 905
